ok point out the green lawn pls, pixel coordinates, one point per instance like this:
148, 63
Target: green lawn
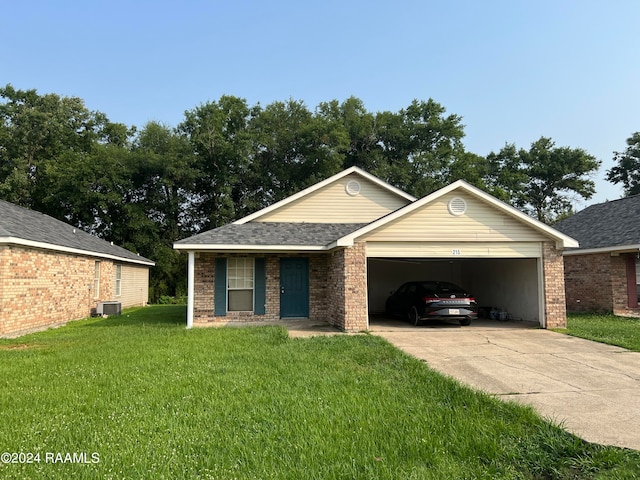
621, 331
147, 398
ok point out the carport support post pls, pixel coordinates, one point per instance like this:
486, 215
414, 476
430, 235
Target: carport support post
190, 288
555, 308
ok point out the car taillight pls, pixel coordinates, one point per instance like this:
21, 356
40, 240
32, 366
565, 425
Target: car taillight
428, 300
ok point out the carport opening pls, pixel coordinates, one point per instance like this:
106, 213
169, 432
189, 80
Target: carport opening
506, 287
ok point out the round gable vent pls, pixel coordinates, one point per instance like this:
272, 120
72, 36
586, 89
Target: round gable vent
353, 187
457, 206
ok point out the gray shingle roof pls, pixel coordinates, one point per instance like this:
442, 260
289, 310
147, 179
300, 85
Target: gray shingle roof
610, 224
274, 233
22, 223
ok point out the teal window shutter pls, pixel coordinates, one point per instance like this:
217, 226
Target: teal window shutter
260, 293
220, 288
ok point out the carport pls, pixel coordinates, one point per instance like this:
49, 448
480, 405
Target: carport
509, 261
509, 285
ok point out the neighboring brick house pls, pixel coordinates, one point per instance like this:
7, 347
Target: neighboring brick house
51, 272
334, 251
604, 273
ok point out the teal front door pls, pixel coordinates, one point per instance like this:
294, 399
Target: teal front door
294, 287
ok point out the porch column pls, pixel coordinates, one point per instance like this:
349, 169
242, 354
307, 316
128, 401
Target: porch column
555, 315
190, 288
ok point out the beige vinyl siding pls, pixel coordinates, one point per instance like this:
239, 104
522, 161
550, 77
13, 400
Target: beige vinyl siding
332, 204
135, 286
433, 223
454, 249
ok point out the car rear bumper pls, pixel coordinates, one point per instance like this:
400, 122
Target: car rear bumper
449, 313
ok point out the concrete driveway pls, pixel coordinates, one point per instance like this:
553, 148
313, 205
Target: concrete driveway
592, 389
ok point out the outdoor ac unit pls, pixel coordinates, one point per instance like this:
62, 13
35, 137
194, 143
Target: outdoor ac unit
109, 308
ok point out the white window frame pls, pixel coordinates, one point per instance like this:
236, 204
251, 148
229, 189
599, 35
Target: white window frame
238, 280
96, 280
118, 280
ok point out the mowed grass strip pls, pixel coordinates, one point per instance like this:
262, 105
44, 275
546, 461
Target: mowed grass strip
155, 400
605, 328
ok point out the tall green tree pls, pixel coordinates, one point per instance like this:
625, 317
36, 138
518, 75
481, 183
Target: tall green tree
292, 148
419, 146
363, 148
217, 132
164, 176
544, 180
38, 130
417, 149
627, 168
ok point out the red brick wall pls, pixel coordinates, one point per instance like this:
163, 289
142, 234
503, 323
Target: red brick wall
337, 289
588, 282
554, 288
347, 288
204, 286
40, 288
619, 292
596, 283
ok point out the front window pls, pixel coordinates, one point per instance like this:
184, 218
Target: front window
118, 280
240, 275
96, 280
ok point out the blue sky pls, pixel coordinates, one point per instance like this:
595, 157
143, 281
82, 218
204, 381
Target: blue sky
515, 70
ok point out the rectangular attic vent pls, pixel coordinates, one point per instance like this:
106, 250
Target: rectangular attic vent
109, 308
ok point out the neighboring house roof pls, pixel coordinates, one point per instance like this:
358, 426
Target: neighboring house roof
610, 226
324, 183
21, 226
270, 236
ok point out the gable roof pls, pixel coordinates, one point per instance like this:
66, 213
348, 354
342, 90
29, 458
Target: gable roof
21, 226
606, 226
269, 236
322, 184
246, 235
561, 239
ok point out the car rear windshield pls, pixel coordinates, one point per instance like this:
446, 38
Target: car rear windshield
440, 287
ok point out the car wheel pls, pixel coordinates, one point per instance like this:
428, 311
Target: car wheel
414, 317
465, 322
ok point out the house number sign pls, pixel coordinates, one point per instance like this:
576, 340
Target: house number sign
456, 251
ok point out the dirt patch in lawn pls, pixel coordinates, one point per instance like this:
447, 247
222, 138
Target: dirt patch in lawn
19, 346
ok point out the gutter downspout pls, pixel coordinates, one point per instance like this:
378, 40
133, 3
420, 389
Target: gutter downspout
190, 288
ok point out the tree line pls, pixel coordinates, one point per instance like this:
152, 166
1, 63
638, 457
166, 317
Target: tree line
145, 188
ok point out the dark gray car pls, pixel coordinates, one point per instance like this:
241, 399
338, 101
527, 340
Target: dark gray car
432, 300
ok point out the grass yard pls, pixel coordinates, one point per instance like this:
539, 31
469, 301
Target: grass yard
142, 397
605, 328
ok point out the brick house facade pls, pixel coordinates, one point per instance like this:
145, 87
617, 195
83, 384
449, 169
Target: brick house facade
45, 284
601, 275
320, 243
599, 282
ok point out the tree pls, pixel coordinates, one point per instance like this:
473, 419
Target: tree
544, 180
217, 132
419, 146
362, 147
38, 130
163, 181
627, 170
292, 149
418, 149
